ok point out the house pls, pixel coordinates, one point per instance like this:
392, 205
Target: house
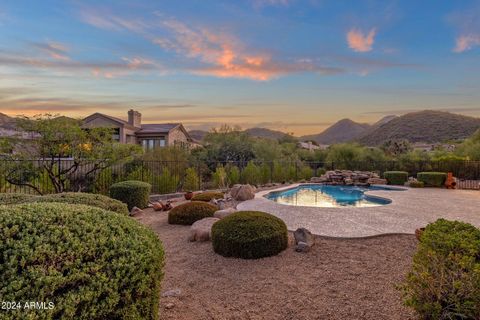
150, 136
312, 147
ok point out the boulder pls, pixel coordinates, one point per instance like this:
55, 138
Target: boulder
135, 211
220, 214
242, 192
304, 240
201, 230
157, 206
377, 181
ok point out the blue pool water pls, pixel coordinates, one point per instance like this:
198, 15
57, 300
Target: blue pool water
316, 195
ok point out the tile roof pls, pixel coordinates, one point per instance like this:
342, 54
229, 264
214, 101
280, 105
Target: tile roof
157, 127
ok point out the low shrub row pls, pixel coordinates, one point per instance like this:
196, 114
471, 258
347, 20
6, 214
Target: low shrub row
95, 200
396, 177
444, 282
91, 263
207, 196
432, 179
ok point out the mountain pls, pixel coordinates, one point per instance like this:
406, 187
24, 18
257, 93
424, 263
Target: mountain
424, 126
197, 134
6, 122
266, 133
342, 131
382, 121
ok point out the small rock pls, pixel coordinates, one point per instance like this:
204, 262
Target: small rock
302, 247
304, 240
135, 211
157, 206
220, 214
172, 293
201, 230
169, 305
167, 206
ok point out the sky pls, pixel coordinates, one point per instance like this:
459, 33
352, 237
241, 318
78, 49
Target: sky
291, 65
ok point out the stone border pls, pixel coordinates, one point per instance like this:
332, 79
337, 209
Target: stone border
410, 209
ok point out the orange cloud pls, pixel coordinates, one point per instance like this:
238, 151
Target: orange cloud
466, 42
360, 42
226, 56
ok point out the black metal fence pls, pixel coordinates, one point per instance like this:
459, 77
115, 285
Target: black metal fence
31, 176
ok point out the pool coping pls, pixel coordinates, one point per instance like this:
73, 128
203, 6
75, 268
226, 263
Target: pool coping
409, 210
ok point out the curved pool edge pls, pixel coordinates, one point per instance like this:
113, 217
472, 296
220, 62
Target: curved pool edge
367, 194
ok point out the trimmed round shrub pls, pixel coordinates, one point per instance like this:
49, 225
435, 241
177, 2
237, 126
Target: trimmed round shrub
15, 198
432, 179
89, 199
190, 212
133, 193
444, 282
396, 177
89, 262
207, 196
416, 184
249, 235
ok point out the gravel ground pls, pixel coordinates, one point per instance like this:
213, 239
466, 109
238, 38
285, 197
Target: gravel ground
337, 279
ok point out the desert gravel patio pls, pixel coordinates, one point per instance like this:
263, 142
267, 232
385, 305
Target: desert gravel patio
409, 210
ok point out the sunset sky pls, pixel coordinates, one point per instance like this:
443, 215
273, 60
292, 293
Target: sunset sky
290, 65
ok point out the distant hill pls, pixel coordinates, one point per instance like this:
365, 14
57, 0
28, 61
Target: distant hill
266, 133
424, 126
6, 122
342, 131
197, 134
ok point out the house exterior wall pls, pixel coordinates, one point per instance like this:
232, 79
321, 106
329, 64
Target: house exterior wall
177, 136
100, 122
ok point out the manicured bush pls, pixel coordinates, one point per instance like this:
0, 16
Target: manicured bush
190, 212
432, 179
444, 282
396, 177
133, 193
89, 199
207, 196
15, 198
416, 184
249, 235
91, 263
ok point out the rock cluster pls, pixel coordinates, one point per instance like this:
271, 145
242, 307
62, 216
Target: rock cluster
348, 177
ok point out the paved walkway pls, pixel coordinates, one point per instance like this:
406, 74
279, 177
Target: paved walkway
410, 209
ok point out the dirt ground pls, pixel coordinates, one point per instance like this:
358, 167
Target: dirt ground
337, 279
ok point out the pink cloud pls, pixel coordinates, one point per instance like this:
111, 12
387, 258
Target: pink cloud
54, 50
466, 42
360, 42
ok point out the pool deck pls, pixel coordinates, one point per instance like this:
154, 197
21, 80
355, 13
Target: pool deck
409, 210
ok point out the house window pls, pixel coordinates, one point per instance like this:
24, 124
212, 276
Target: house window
150, 144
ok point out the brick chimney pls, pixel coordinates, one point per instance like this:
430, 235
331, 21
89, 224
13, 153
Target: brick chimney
134, 118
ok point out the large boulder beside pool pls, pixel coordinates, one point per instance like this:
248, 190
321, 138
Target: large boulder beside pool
201, 230
242, 192
304, 240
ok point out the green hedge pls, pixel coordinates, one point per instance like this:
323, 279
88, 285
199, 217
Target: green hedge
396, 177
15, 198
444, 282
91, 263
133, 193
207, 196
190, 212
249, 235
432, 179
89, 199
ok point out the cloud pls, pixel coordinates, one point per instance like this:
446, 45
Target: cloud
225, 56
55, 50
104, 19
466, 42
360, 42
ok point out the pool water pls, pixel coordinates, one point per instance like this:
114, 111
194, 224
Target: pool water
329, 196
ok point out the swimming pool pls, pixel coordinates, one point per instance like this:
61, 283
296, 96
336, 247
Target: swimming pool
316, 195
